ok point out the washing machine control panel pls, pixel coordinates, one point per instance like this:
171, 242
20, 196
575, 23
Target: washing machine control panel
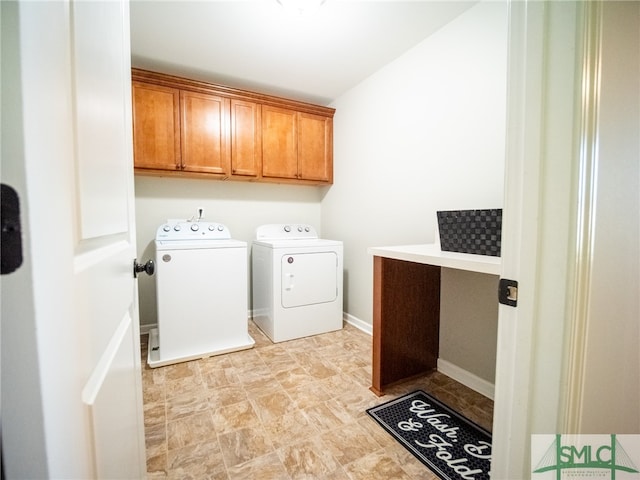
293, 231
184, 230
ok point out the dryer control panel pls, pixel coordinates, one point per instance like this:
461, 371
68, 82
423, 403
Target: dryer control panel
184, 230
291, 231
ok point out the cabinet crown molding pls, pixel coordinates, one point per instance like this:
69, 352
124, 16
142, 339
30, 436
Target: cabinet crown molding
183, 83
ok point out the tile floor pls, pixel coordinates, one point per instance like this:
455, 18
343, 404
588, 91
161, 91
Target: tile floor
292, 410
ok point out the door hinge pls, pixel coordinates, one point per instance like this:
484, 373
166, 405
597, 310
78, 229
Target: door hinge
508, 292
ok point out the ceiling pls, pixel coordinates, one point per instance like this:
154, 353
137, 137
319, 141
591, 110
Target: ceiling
258, 45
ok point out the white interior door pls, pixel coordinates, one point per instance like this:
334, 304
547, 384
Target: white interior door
106, 303
75, 300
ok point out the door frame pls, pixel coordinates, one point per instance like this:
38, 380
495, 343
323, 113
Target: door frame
548, 63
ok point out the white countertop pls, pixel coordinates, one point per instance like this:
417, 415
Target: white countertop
431, 254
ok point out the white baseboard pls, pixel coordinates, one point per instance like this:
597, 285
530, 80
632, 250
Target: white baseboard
359, 324
466, 378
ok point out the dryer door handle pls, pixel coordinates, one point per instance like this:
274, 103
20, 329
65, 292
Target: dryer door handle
289, 287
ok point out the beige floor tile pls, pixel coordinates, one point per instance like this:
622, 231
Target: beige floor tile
226, 395
309, 459
187, 404
267, 467
291, 410
357, 401
243, 445
320, 369
219, 374
247, 359
290, 429
349, 443
181, 370
272, 406
179, 386
410, 464
274, 353
153, 393
338, 474
327, 416
294, 377
156, 440
157, 465
234, 417
190, 430
197, 461
155, 414
376, 465
308, 394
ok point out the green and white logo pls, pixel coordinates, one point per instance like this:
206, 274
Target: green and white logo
575, 457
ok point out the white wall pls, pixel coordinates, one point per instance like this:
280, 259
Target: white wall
425, 133
469, 322
241, 206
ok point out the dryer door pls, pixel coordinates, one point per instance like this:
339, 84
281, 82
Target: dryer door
309, 278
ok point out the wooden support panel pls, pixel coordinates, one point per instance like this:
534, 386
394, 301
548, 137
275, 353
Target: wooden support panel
406, 319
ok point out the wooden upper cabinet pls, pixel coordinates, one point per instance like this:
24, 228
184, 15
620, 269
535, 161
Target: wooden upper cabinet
156, 126
315, 147
193, 128
297, 145
205, 145
279, 143
246, 138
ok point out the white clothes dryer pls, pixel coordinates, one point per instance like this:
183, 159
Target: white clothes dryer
296, 282
202, 293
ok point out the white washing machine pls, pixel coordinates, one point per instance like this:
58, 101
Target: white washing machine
296, 282
201, 283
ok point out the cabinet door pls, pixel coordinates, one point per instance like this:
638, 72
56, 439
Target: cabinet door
204, 133
156, 127
315, 147
279, 143
246, 140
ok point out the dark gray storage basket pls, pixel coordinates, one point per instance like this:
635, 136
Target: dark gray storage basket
471, 231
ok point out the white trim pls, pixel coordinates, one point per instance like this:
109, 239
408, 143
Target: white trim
514, 346
586, 211
146, 329
97, 377
359, 324
466, 378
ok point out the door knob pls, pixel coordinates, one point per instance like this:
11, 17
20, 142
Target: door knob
149, 268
